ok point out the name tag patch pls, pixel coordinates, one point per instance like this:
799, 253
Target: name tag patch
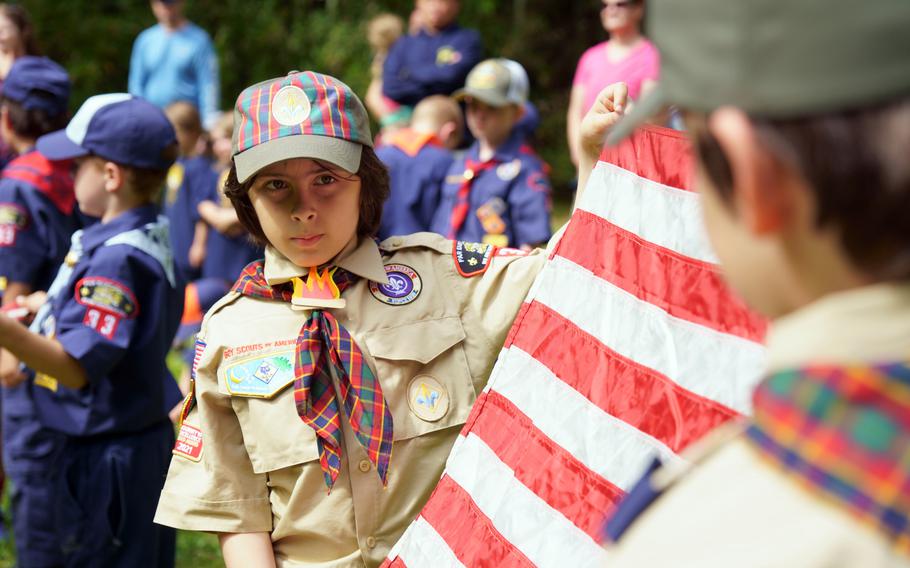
261, 376
189, 443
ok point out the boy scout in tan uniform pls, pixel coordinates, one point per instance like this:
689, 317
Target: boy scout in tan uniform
799, 111
428, 314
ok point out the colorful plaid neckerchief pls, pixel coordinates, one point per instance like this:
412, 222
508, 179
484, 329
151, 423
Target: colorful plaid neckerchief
845, 433
323, 342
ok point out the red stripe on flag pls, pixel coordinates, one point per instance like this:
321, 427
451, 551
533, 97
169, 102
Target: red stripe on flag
641, 397
685, 288
545, 467
655, 153
468, 532
397, 563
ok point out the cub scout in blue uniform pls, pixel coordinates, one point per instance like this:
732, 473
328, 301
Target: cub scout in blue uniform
97, 347
332, 381
805, 190
497, 193
36, 221
418, 159
433, 61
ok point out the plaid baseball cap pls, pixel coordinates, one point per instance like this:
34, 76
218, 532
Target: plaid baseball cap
301, 115
118, 127
38, 83
776, 58
497, 82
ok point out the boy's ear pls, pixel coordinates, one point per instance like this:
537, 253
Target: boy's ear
114, 177
447, 132
762, 186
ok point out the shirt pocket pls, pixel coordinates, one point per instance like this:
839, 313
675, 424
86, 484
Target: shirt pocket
424, 375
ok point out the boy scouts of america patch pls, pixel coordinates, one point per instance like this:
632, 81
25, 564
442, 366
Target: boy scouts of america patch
260, 376
472, 259
12, 220
290, 106
427, 398
107, 302
403, 288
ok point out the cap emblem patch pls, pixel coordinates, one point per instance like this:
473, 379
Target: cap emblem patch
290, 106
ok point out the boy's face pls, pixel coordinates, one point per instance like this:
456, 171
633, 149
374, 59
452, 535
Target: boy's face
90, 186
307, 212
437, 14
491, 124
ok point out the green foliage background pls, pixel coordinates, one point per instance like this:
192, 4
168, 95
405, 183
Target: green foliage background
266, 38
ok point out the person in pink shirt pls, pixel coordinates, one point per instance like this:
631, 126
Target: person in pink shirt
626, 57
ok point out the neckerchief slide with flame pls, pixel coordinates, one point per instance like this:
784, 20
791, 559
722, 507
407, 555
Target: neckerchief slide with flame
844, 432
323, 346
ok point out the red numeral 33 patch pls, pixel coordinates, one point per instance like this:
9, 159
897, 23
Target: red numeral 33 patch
107, 302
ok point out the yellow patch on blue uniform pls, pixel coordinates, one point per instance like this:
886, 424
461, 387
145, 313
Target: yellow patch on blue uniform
174, 180
447, 55
260, 376
108, 295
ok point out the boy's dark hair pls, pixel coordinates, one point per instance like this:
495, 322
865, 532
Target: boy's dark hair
23, 22
32, 123
856, 165
147, 183
374, 190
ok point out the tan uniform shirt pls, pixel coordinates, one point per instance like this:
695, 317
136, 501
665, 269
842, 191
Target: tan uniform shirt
259, 469
736, 509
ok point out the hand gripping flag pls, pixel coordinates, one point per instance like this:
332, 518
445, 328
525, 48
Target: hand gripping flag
629, 345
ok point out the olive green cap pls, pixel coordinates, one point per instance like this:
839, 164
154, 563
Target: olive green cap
776, 58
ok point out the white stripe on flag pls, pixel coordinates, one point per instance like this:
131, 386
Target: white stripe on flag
715, 365
574, 422
542, 534
422, 547
664, 215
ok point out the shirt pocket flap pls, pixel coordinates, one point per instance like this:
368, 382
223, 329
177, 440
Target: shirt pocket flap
273, 433
420, 341
424, 374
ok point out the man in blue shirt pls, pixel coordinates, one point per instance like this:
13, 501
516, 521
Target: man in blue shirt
435, 60
175, 61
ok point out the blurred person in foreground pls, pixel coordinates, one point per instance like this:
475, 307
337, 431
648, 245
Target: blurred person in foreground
802, 167
418, 159
626, 56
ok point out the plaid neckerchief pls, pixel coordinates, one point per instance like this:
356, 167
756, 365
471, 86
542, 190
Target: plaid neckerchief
844, 432
323, 343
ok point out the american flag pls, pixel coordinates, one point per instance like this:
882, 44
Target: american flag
628, 346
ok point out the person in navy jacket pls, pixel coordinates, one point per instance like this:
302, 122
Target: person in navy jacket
36, 221
498, 192
95, 352
433, 61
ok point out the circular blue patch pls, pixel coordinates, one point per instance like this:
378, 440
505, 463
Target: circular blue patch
403, 287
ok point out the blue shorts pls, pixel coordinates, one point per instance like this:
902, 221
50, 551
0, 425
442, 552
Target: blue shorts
108, 492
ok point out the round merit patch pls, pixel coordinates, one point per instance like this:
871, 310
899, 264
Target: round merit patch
290, 106
428, 398
403, 288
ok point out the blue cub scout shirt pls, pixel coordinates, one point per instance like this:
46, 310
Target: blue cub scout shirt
421, 65
188, 183
34, 230
508, 204
117, 315
416, 181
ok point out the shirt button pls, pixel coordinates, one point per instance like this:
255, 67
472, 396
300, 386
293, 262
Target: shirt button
364, 466
371, 542
469, 175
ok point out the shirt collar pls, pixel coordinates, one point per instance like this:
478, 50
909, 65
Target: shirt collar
95, 235
411, 142
364, 261
864, 325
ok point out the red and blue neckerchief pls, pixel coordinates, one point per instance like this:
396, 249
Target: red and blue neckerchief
324, 345
844, 433
463, 195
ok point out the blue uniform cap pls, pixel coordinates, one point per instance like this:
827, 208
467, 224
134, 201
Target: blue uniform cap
38, 83
118, 127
